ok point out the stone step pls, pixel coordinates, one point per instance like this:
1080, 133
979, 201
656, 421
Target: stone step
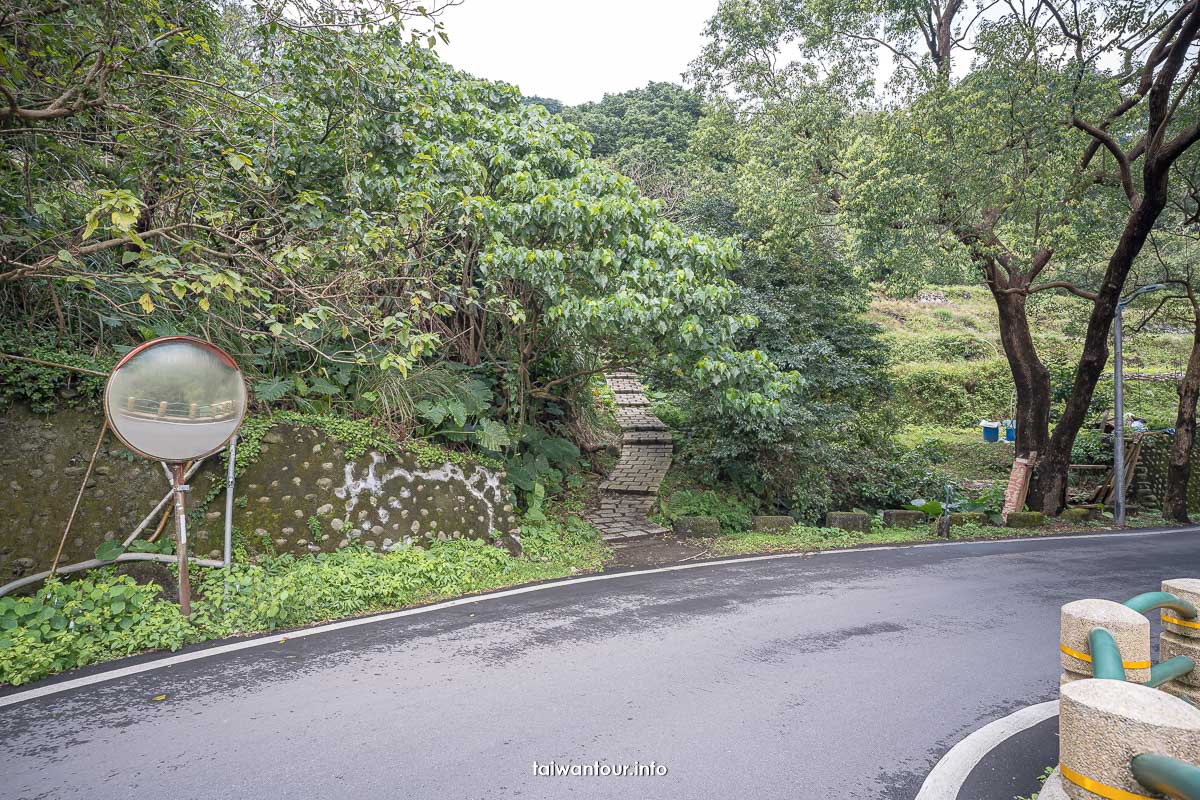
626, 487
629, 492
632, 401
647, 437
635, 535
647, 424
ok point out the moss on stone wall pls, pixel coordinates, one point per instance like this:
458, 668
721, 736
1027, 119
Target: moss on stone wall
307, 483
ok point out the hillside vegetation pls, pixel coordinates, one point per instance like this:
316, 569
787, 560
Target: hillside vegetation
949, 367
949, 372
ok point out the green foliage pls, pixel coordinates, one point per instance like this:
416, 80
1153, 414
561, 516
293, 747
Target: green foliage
109, 550
165, 545
542, 461
804, 537
733, 514
44, 387
357, 437
569, 540
932, 509
747, 177
1092, 447
661, 113
954, 394
67, 625
407, 219
944, 346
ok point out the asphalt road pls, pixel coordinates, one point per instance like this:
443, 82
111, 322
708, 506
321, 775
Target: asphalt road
841, 675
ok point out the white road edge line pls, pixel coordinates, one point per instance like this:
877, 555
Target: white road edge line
183, 658
945, 780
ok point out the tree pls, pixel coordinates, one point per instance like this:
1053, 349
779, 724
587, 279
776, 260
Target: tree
548, 103
1104, 86
320, 192
746, 178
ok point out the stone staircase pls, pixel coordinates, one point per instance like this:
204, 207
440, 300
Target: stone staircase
628, 494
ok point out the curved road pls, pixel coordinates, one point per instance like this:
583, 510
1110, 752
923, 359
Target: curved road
840, 675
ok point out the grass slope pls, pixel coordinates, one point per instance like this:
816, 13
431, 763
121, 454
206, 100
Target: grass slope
949, 369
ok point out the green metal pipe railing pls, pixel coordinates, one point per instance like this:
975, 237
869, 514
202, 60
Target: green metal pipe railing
1170, 669
1106, 656
1149, 601
1167, 776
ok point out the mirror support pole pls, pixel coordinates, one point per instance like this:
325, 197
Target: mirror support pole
185, 589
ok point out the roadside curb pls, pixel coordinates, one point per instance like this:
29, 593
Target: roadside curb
946, 779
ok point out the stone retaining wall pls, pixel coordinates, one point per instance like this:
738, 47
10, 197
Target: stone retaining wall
302, 495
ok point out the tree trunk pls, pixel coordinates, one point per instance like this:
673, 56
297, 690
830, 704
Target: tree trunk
1051, 479
1030, 376
1175, 505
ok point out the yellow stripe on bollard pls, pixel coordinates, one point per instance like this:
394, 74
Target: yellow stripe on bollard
1085, 657
1095, 787
1187, 623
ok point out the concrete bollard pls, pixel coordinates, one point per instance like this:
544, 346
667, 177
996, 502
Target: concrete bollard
1181, 637
848, 521
1103, 724
903, 519
772, 524
1185, 589
1130, 629
1024, 519
688, 527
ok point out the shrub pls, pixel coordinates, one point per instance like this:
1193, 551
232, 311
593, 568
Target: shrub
955, 395
67, 625
1092, 447
41, 386
733, 514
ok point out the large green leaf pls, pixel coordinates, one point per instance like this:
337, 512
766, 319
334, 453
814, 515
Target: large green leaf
271, 389
109, 550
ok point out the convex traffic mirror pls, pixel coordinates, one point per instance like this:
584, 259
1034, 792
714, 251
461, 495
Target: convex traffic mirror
175, 399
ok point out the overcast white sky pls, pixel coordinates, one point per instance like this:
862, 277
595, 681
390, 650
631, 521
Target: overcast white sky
575, 50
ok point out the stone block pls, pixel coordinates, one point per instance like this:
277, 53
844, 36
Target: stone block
772, 524
848, 521
968, 518
1130, 629
688, 527
1024, 519
1101, 723
1171, 645
903, 519
1187, 589
1076, 515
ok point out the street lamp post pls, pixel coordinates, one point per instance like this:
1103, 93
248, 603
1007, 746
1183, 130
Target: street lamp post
1119, 405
